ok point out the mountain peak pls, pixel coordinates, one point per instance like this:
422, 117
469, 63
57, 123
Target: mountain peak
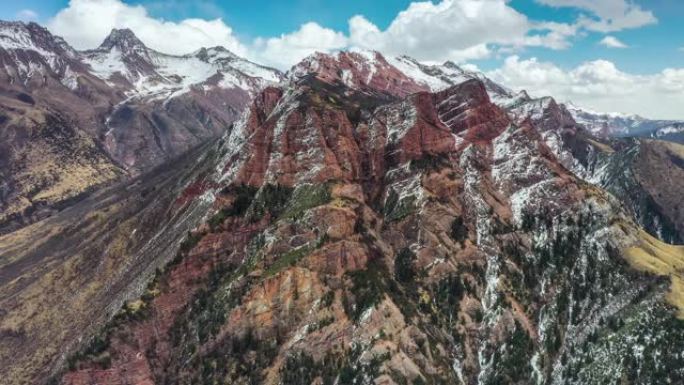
123, 39
453, 66
362, 70
18, 35
214, 53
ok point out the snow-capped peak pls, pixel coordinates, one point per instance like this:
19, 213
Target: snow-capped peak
33, 54
124, 40
16, 35
620, 124
124, 61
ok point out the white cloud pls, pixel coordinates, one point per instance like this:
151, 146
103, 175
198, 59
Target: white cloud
612, 42
85, 24
456, 30
288, 49
672, 80
607, 15
27, 15
598, 85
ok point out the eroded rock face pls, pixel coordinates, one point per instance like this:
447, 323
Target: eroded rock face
364, 70
366, 236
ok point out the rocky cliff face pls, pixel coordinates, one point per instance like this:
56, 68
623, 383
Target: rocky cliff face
360, 233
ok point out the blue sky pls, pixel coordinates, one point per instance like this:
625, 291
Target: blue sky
550, 46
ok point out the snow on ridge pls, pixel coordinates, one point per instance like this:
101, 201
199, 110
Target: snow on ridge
172, 75
412, 70
35, 52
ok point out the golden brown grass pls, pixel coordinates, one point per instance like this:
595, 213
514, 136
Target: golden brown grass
656, 257
601, 146
675, 149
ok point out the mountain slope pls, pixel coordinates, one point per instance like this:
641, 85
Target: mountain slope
72, 122
49, 108
63, 277
173, 103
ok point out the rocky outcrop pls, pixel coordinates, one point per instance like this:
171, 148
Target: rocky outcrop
362, 70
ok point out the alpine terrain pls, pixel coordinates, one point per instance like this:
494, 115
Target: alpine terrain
359, 219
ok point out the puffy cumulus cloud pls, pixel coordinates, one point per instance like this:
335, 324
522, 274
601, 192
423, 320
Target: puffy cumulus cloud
601, 79
554, 35
607, 15
612, 42
672, 80
598, 85
456, 30
288, 49
531, 74
27, 15
85, 24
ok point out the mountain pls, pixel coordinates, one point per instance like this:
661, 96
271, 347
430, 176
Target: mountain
72, 122
345, 230
124, 61
602, 125
643, 174
174, 102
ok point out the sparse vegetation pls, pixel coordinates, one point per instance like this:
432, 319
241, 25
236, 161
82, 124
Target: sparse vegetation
396, 209
288, 259
305, 197
459, 231
269, 199
243, 198
656, 257
368, 289
404, 269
